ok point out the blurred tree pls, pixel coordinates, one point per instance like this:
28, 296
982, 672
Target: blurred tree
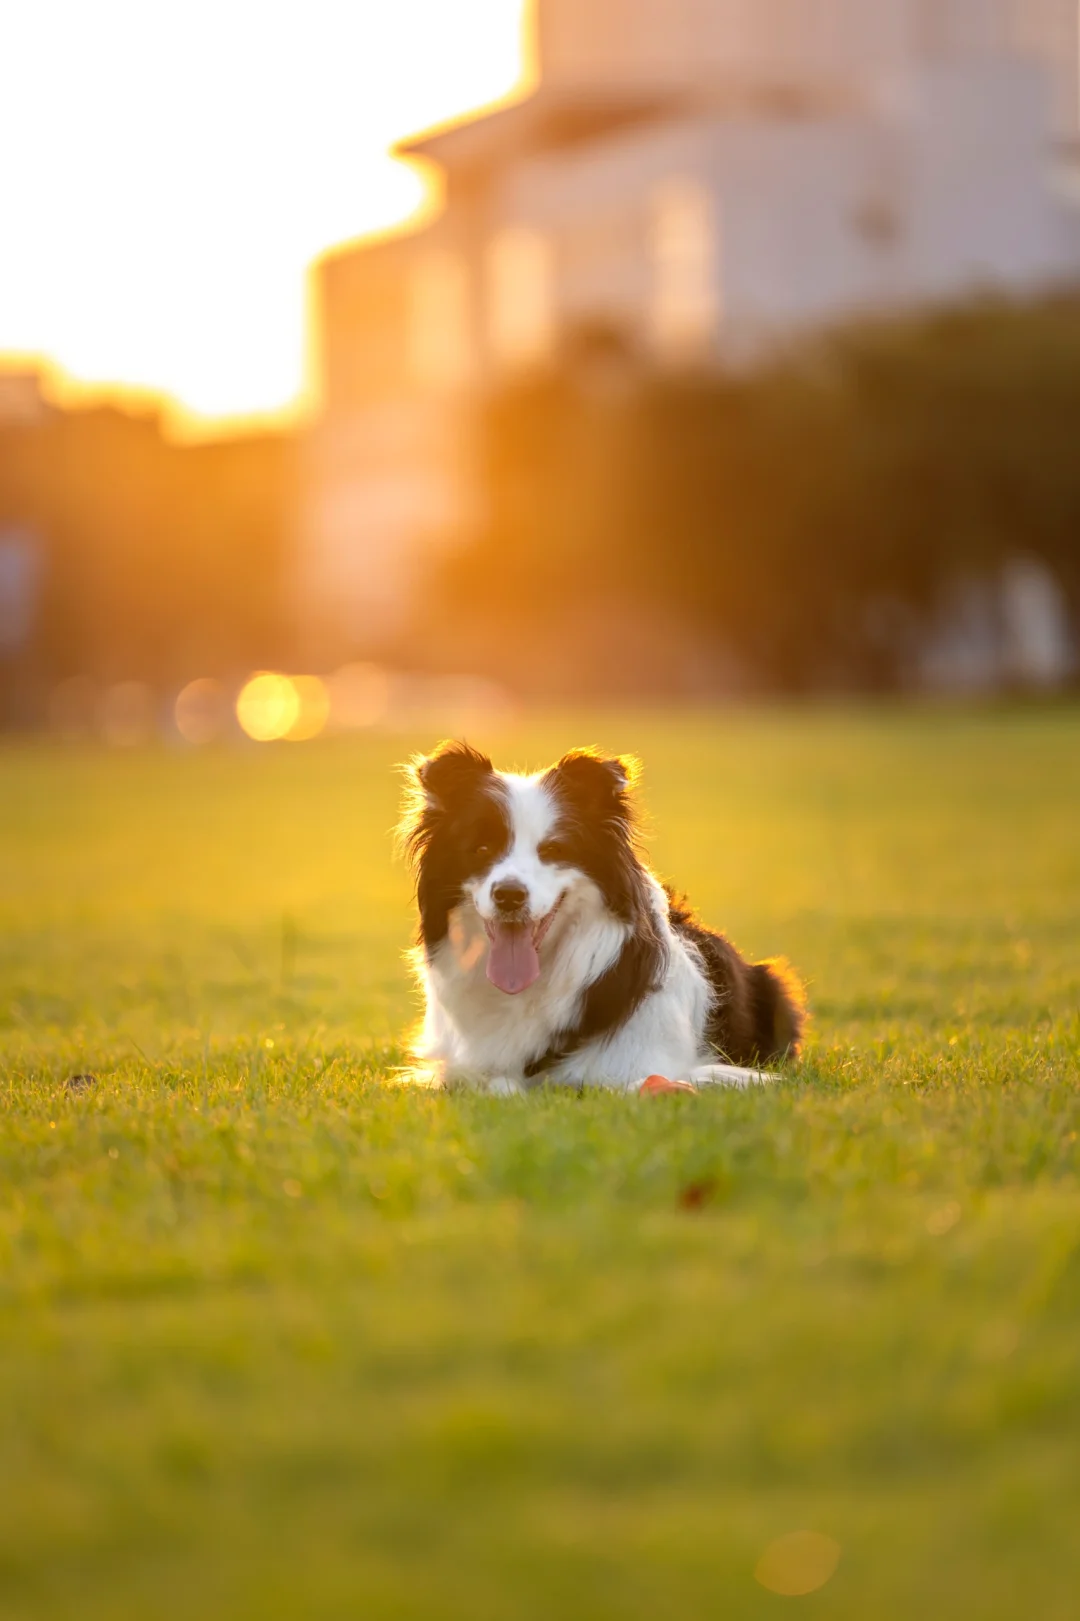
159, 561
795, 529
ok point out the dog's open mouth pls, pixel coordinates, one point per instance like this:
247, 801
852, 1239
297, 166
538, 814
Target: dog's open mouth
514, 958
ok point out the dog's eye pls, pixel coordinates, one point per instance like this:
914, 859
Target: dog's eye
483, 849
552, 850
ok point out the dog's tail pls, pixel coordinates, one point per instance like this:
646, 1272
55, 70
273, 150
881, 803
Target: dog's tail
779, 1008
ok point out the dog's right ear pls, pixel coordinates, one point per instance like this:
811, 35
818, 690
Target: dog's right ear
601, 784
431, 785
453, 769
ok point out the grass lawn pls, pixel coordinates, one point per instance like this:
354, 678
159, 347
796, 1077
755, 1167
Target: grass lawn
279, 1340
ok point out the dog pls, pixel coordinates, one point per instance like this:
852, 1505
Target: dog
548, 952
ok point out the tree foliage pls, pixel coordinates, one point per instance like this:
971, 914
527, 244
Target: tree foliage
795, 528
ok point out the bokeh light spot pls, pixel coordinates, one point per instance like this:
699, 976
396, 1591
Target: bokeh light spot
200, 711
313, 709
359, 696
268, 706
127, 715
942, 1221
797, 1564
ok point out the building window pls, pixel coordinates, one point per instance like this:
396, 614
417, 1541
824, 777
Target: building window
521, 296
685, 255
439, 336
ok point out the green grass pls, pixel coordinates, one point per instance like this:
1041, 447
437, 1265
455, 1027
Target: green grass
279, 1340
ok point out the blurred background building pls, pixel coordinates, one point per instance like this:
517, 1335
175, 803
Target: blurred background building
130, 561
694, 183
741, 355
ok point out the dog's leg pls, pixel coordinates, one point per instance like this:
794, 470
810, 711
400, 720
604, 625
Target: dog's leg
730, 1075
503, 1086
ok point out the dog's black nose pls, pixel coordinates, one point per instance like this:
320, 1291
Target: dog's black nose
510, 897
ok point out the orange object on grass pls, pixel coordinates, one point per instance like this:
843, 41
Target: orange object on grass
657, 1085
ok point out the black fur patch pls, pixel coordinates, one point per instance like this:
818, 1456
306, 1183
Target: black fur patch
454, 829
596, 831
757, 1010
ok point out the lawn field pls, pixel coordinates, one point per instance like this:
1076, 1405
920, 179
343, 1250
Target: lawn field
279, 1339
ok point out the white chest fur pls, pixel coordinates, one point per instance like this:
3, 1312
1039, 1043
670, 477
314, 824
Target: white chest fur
475, 1031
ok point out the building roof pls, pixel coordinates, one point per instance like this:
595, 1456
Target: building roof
546, 119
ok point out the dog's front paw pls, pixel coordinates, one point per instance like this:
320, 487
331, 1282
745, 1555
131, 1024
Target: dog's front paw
502, 1086
731, 1075
494, 1086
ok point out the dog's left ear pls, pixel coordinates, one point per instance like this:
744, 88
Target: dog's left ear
597, 780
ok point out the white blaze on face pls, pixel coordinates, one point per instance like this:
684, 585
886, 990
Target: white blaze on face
533, 818
513, 958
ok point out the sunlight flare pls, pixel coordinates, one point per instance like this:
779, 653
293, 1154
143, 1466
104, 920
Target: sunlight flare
180, 167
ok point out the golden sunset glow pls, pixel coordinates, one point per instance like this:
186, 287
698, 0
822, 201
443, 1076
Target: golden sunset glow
178, 167
268, 707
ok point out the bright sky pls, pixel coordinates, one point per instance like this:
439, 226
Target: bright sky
169, 168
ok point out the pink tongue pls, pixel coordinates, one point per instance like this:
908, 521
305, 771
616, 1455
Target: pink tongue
513, 964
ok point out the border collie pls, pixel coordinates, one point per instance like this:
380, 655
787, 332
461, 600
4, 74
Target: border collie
548, 951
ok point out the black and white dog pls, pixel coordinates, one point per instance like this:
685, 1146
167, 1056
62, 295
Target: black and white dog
549, 952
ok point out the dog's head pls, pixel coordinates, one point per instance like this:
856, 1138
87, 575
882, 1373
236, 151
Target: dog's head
518, 850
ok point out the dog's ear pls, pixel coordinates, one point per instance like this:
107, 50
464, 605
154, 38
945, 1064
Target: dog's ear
597, 781
452, 770
431, 785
